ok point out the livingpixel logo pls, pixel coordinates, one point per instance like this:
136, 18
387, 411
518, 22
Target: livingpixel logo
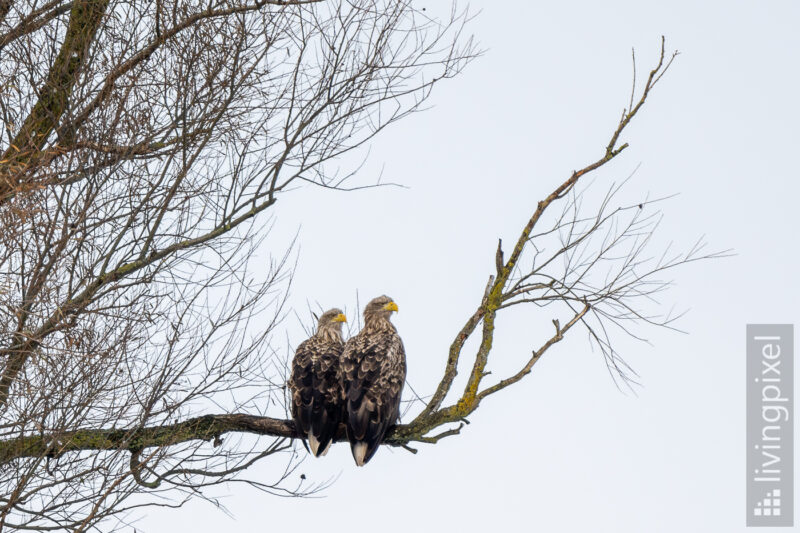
770, 427
770, 505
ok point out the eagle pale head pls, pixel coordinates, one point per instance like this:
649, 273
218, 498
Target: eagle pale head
331, 320
381, 307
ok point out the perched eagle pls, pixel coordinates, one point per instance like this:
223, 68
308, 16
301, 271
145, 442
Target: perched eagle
373, 373
316, 383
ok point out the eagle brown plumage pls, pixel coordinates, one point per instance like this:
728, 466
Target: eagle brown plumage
373, 374
315, 383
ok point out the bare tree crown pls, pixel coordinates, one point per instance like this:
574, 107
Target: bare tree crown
143, 147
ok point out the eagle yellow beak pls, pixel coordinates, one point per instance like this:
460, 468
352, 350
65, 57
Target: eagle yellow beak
340, 318
391, 306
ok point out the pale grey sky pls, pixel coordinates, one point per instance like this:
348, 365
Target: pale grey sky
564, 451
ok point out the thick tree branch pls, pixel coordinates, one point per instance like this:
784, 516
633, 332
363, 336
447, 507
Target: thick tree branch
208, 428
84, 21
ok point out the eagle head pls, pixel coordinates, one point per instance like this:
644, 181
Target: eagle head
380, 308
331, 321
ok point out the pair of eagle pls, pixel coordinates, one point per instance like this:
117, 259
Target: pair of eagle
356, 383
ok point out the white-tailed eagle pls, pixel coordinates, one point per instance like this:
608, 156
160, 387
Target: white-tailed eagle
316, 383
373, 373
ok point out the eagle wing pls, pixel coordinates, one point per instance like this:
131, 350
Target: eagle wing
316, 391
373, 373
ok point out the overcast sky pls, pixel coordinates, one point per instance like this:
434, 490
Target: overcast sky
565, 450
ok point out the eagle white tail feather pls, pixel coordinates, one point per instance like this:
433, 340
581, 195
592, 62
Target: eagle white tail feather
314, 444
327, 447
359, 452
